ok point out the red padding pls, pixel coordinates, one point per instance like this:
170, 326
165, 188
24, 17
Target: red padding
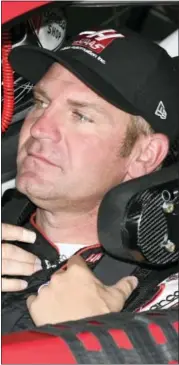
121, 339
12, 9
89, 341
176, 326
157, 334
35, 348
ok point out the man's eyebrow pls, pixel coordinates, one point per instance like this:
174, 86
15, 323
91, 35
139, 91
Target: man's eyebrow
84, 104
38, 90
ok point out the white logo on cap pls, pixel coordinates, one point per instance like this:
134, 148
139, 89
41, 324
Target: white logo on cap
96, 41
93, 43
161, 111
103, 34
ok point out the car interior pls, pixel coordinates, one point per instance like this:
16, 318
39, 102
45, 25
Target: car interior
50, 24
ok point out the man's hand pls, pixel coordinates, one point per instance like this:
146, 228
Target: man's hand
16, 261
77, 293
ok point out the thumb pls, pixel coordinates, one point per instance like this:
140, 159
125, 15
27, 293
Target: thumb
30, 300
75, 263
122, 290
78, 269
76, 260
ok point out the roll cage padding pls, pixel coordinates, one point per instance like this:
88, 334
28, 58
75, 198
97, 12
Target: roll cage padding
116, 338
14, 9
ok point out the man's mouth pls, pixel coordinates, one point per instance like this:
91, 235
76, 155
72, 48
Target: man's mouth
42, 158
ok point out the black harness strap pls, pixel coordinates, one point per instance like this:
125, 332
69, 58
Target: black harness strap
149, 279
18, 210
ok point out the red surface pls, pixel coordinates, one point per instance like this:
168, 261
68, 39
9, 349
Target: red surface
176, 326
89, 341
121, 338
35, 348
157, 334
12, 9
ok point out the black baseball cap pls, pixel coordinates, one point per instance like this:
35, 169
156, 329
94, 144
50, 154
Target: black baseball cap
127, 70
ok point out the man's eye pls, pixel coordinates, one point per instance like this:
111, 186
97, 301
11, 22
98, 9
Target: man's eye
81, 117
40, 104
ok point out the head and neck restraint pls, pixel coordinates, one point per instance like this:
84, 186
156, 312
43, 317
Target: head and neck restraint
139, 220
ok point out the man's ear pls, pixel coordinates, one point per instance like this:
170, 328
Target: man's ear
148, 154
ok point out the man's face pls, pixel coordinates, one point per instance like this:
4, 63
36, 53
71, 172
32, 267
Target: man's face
69, 147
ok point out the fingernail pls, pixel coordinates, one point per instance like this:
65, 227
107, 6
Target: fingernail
38, 265
24, 284
37, 261
134, 281
46, 284
29, 236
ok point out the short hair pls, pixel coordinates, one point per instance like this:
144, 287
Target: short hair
136, 127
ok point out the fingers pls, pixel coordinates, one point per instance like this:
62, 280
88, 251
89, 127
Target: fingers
11, 285
13, 233
13, 267
121, 291
77, 271
76, 261
126, 286
77, 267
30, 300
15, 260
10, 252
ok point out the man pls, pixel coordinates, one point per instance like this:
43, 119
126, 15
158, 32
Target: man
106, 109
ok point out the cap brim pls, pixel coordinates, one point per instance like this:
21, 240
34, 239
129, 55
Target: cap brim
33, 62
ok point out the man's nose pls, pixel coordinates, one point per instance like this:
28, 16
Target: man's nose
45, 127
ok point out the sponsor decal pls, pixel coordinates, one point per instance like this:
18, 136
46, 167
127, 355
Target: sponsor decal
97, 41
49, 265
167, 295
94, 257
93, 43
49, 28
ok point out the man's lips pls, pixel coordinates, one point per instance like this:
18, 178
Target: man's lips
41, 158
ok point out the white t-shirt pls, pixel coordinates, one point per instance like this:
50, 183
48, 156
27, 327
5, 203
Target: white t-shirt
66, 250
